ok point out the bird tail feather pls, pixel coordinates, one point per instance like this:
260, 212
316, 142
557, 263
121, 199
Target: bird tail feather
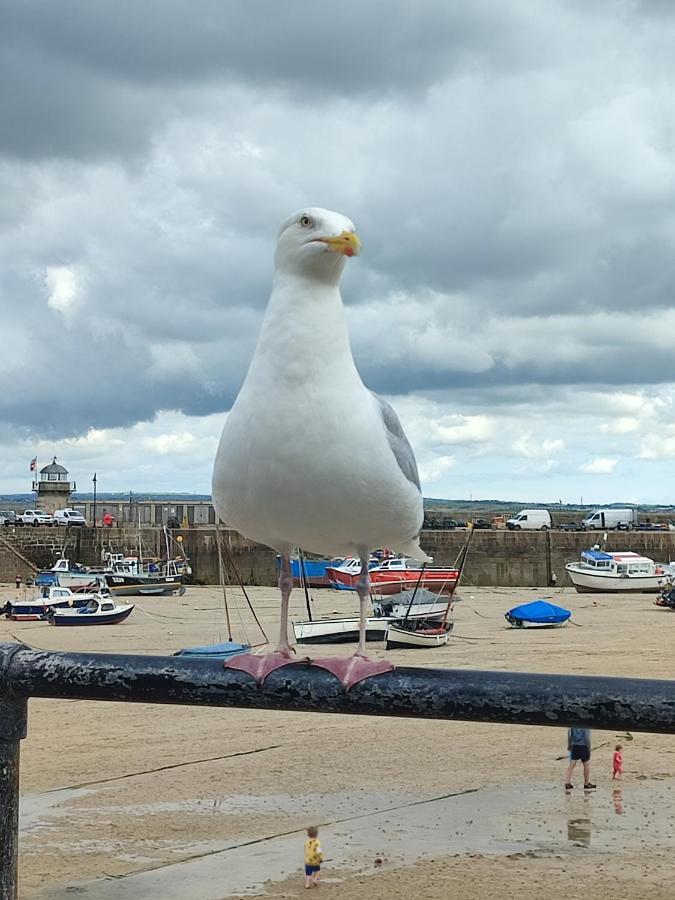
412, 548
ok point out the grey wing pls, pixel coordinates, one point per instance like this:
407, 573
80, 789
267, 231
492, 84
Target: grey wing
398, 442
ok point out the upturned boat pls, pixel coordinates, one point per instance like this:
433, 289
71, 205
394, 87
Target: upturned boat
616, 572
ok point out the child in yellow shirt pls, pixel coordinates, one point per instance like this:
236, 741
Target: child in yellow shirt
313, 857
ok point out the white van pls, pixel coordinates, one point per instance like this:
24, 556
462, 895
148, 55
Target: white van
535, 519
611, 518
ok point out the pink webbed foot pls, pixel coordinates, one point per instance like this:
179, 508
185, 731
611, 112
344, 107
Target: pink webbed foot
259, 667
352, 669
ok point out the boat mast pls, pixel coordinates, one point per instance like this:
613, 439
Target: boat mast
414, 593
303, 580
464, 553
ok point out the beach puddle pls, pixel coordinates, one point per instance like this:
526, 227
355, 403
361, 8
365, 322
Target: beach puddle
377, 832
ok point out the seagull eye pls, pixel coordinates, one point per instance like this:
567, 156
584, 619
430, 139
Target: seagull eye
306, 222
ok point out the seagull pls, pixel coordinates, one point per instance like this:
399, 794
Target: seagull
309, 457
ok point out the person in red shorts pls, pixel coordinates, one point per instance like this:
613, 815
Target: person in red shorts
617, 762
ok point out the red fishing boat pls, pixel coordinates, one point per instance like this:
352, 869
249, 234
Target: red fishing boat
395, 575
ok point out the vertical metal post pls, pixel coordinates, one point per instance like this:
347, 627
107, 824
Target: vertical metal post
13, 720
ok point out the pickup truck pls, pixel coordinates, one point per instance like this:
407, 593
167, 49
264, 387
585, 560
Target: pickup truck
34, 517
7, 517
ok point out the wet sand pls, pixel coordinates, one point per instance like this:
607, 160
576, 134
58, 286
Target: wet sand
120, 800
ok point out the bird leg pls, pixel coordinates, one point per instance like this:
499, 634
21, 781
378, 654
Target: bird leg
285, 587
363, 590
359, 666
261, 666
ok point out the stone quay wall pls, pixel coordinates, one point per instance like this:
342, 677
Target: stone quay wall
496, 557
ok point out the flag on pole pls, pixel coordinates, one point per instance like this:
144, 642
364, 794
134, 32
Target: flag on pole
33, 464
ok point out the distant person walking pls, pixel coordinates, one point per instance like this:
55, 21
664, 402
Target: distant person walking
579, 746
617, 762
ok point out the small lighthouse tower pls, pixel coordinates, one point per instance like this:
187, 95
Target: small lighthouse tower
53, 487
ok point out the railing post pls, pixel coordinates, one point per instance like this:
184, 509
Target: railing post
13, 721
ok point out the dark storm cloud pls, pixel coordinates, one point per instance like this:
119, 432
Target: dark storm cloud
508, 166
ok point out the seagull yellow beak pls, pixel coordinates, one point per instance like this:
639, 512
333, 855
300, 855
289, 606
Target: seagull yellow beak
348, 243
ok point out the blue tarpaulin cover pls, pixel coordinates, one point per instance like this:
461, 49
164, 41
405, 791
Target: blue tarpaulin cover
539, 611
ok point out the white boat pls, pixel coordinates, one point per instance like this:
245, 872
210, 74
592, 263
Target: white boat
337, 631
50, 598
98, 611
69, 575
404, 635
616, 572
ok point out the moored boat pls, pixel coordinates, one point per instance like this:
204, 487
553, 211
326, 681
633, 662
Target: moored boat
97, 611
405, 635
69, 575
126, 576
616, 572
394, 575
54, 596
538, 614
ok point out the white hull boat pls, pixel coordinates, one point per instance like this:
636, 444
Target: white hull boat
401, 636
345, 630
621, 572
337, 631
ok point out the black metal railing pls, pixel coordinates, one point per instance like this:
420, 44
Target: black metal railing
621, 704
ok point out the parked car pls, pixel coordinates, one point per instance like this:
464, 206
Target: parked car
480, 522
34, 517
69, 517
7, 517
571, 526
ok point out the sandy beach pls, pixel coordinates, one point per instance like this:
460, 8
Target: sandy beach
122, 800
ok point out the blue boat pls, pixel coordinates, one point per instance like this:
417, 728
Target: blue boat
315, 571
215, 651
538, 614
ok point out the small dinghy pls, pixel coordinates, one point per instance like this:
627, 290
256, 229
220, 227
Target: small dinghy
538, 614
215, 651
96, 611
408, 634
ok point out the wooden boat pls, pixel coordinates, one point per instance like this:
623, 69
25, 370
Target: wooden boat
406, 635
98, 611
616, 572
50, 597
409, 633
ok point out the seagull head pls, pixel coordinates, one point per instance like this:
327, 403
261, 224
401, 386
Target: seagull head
315, 242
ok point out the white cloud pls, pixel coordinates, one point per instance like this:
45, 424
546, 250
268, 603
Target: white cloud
600, 466
527, 445
433, 469
62, 284
622, 425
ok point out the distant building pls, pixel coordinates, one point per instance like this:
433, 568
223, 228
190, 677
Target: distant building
53, 487
185, 513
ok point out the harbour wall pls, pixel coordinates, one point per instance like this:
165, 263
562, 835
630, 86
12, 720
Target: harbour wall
496, 557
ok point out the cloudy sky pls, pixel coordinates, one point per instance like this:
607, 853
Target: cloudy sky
509, 167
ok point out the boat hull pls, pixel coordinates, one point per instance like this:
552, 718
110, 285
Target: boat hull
595, 583
83, 618
338, 631
442, 581
314, 571
401, 638
133, 585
